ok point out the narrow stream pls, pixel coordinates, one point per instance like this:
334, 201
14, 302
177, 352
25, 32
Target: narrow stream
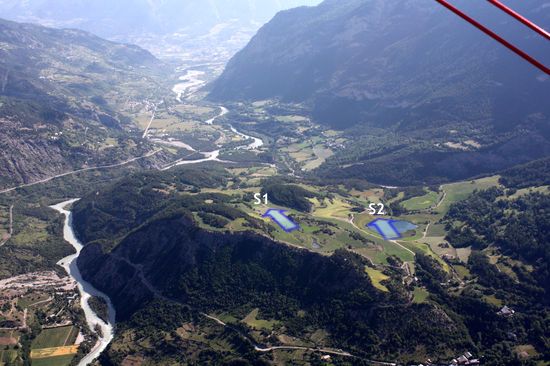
86, 289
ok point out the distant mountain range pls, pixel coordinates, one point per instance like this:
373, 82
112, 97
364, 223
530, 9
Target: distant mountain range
123, 18
54, 112
412, 69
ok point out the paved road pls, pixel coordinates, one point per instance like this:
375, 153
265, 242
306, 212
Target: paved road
150, 122
322, 350
148, 155
274, 348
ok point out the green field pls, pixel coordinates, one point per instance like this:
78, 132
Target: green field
253, 322
8, 356
29, 300
420, 295
437, 230
529, 350
462, 271
291, 119
524, 191
335, 208
55, 337
34, 231
491, 299
309, 233
460, 191
426, 250
381, 249
322, 154
53, 361
377, 277
430, 199
464, 254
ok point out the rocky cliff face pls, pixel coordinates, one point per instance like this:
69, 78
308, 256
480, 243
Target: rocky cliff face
52, 117
115, 276
23, 161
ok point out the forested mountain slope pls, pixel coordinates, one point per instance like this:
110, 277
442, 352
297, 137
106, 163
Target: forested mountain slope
422, 96
153, 248
149, 247
386, 62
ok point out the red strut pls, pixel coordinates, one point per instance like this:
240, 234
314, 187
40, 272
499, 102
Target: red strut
496, 37
520, 18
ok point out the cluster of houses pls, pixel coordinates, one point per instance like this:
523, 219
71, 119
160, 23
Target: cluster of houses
506, 311
56, 136
41, 288
333, 145
466, 359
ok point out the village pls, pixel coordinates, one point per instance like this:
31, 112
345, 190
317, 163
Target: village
39, 319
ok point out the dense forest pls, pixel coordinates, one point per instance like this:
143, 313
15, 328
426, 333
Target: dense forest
519, 227
514, 232
534, 174
288, 195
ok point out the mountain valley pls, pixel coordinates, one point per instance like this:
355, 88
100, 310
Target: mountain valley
408, 103
144, 190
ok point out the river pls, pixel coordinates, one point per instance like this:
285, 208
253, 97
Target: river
69, 263
253, 146
184, 90
86, 290
191, 83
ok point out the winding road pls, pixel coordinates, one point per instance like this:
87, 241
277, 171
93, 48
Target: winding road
148, 155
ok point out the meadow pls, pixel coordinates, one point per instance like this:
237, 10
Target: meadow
55, 337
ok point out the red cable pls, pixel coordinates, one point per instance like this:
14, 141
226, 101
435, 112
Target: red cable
496, 37
520, 18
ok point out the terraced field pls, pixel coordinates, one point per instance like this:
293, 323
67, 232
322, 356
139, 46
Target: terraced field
53, 361
54, 346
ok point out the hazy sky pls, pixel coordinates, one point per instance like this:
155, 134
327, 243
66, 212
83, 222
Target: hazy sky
103, 16
158, 25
